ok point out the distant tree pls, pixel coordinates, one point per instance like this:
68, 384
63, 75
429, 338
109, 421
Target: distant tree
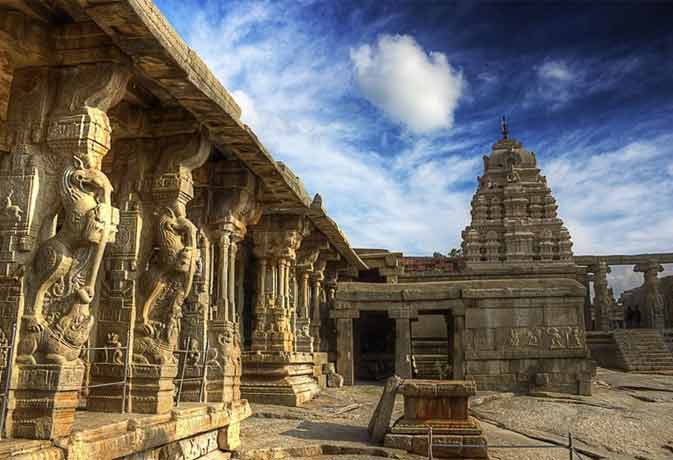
456, 252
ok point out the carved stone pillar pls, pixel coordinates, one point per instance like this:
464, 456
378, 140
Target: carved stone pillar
171, 259
274, 372
316, 300
53, 175
601, 296
304, 341
652, 312
234, 193
224, 354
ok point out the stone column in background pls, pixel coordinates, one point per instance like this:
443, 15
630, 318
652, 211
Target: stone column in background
317, 278
601, 296
652, 312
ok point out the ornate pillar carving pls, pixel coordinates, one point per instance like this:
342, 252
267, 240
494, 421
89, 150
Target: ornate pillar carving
317, 279
652, 312
276, 251
169, 277
305, 268
234, 195
57, 220
274, 372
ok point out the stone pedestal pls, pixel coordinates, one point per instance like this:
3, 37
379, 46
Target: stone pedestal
151, 390
278, 378
109, 398
442, 405
44, 401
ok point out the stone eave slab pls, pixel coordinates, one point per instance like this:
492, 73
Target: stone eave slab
141, 31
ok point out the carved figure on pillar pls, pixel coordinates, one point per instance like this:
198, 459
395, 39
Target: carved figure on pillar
65, 269
68, 206
168, 283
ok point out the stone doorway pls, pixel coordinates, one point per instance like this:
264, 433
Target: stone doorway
374, 346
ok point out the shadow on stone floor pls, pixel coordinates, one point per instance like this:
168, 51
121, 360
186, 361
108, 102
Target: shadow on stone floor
328, 432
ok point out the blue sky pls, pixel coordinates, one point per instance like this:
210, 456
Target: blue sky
386, 109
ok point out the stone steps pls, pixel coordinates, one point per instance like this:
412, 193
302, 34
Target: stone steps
643, 350
431, 359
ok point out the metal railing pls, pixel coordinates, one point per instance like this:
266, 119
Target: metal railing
573, 454
127, 363
183, 366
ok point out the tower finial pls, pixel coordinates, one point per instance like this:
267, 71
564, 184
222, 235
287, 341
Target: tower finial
503, 128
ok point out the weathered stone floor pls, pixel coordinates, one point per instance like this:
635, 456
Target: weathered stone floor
629, 417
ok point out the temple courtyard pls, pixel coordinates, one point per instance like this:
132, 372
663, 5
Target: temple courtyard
629, 416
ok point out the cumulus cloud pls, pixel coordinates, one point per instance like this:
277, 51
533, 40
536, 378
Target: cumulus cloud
293, 85
418, 89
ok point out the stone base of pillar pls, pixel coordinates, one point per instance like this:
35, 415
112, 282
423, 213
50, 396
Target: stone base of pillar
193, 386
315, 332
110, 397
44, 401
319, 363
304, 344
151, 388
223, 387
281, 378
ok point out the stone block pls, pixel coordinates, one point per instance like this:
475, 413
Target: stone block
505, 317
228, 438
335, 380
380, 421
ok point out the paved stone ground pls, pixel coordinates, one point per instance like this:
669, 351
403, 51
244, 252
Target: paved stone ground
629, 417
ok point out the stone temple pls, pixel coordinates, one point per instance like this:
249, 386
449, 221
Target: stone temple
160, 271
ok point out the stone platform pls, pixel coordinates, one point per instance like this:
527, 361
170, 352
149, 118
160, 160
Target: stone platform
193, 430
443, 406
278, 378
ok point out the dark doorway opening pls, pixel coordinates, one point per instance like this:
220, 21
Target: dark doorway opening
374, 346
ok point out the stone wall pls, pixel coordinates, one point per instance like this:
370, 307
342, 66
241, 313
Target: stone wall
508, 335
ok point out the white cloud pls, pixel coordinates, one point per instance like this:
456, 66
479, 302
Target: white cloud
556, 70
412, 87
291, 86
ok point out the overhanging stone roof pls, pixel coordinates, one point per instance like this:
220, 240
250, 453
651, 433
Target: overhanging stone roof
177, 76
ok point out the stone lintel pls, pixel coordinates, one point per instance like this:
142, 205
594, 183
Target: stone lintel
344, 314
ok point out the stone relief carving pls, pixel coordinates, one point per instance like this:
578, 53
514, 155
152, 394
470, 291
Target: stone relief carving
552, 338
167, 285
65, 268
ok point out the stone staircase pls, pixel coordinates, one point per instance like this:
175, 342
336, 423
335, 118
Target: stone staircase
431, 359
643, 350
668, 338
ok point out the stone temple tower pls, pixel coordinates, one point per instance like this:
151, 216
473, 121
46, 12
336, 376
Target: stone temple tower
514, 216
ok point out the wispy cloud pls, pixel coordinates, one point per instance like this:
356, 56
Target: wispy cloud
296, 92
413, 87
404, 180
